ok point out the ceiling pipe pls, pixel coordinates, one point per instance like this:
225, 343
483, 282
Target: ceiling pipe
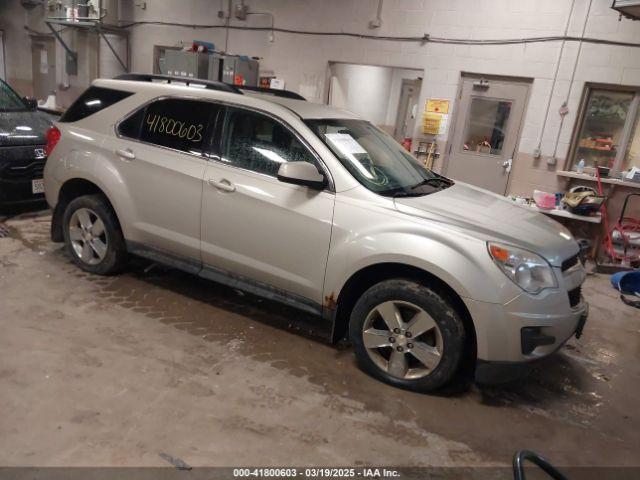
377, 23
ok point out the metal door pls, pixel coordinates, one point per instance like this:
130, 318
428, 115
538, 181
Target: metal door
43, 64
486, 131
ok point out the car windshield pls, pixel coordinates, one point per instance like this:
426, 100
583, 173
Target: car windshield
9, 99
376, 160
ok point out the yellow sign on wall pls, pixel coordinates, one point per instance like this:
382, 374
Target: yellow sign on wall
431, 123
435, 116
437, 105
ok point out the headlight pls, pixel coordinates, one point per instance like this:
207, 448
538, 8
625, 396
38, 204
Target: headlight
529, 271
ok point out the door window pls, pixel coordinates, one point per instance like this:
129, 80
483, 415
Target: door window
632, 155
259, 143
178, 124
603, 124
486, 125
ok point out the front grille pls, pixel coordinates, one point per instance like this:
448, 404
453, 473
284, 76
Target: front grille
28, 170
570, 262
574, 296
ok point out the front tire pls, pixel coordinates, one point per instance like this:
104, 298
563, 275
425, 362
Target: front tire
407, 335
93, 237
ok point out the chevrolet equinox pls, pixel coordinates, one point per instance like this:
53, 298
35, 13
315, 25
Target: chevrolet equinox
311, 206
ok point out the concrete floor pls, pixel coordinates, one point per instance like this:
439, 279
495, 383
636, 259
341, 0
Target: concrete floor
117, 371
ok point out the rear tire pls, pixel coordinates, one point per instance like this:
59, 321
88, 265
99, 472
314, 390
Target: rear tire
407, 335
93, 237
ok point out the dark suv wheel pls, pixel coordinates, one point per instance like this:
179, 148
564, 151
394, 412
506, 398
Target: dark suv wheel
92, 235
408, 335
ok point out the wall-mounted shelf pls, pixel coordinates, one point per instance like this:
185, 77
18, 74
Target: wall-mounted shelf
592, 178
557, 212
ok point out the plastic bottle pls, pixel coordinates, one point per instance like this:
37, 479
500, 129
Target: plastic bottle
580, 168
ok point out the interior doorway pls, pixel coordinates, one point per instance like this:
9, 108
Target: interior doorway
486, 130
43, 64
386, 96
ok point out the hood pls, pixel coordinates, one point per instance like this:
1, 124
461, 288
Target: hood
23, 128
489, 216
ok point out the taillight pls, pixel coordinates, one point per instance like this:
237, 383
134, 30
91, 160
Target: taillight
52, 136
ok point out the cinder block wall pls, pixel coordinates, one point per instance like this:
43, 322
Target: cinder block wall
303, 60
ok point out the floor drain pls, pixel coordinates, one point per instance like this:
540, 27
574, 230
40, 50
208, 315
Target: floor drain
4, 231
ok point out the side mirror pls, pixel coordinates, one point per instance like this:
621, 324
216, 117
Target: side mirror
32, 103
302, 173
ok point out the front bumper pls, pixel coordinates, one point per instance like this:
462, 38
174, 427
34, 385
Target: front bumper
512, 336
496, 372
17, 192
19, 166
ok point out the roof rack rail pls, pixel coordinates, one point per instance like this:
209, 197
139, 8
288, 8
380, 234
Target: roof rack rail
208, 84
272, 91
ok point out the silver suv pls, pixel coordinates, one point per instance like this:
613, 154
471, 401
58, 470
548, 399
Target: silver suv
311, 206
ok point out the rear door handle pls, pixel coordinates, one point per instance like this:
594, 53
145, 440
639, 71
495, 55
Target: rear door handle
224, 185
126, 153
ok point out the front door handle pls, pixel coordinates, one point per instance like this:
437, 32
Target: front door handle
126, 153
224, 185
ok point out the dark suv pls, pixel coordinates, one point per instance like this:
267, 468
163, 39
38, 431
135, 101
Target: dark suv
22, 148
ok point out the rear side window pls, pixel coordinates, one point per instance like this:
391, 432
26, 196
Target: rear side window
174, 123
91, 101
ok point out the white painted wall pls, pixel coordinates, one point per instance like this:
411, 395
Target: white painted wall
364, 90
372, 92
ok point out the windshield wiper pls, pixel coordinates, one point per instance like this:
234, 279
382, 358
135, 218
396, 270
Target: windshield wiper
438, 181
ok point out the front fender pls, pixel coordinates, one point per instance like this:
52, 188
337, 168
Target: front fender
386, 236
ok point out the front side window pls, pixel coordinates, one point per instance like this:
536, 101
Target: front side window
9, 99
179, 124
256, 142
375, 159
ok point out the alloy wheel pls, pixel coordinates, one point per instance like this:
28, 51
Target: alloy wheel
88, 236
402, 339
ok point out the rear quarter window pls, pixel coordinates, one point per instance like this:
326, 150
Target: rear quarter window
92, 101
